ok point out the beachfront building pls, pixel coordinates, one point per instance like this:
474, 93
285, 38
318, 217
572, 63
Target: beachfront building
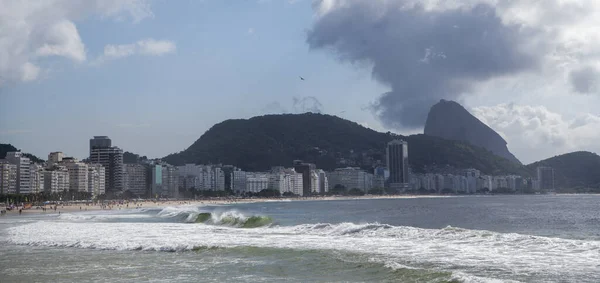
111, 158
78, 174
8, 177
56, 179
37, 178
23, 182
350, 178
397, 164
256, 182
136, 179
96, 179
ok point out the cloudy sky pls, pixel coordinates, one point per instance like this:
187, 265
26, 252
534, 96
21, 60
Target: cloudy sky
155, 74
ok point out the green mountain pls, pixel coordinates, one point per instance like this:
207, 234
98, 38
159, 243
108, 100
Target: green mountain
572, 170
330, 142
4, 148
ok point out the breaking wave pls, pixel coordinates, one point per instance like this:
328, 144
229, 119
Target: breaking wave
475, 253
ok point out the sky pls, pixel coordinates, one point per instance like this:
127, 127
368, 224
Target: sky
154, 75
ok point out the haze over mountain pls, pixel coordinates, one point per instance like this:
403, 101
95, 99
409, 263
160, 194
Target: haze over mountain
450, 120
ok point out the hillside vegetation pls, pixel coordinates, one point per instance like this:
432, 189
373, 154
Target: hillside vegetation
571, 170
258, 143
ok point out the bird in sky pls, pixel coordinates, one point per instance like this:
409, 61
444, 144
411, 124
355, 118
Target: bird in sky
301, 78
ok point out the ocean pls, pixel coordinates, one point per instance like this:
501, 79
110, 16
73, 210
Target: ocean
537, 238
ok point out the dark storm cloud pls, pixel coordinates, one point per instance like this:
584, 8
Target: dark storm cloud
585, 80
422, 55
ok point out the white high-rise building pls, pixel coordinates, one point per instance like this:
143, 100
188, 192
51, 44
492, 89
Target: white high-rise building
23, 171
8, 177
56, 180
78, 174
37, 178
96, 180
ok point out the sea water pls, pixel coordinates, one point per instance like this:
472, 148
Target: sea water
448, 239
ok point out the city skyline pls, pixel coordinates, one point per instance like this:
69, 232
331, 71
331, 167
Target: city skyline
156, 75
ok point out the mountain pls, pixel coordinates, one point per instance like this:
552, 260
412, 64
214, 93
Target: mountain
258, 143
4, 148
449, 120
571, 170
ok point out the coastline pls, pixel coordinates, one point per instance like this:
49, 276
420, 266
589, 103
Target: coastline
136, 204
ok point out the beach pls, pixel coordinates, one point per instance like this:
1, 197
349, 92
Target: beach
74, 207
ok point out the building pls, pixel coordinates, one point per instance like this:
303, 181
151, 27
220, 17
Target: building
23, 171
111, 158
164, 180
351, 178
136, 179
397, 164
239, 181
545, 176
56, 179
306, 170
8, 177
323, 186
256, 182
37, 178
78, 174
55, 158
96, 179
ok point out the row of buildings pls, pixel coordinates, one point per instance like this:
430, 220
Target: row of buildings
105, 172
470, 181
18, 175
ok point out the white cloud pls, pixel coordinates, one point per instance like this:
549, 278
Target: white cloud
149, 47
534, 133
155, 47
33, 30
250, 31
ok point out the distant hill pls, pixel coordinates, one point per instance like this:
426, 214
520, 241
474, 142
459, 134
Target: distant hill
576, 169
4, 148
258, 143
449, 120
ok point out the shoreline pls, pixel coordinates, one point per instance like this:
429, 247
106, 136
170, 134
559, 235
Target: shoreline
135, 204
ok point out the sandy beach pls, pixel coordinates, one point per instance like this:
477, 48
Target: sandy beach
74, 207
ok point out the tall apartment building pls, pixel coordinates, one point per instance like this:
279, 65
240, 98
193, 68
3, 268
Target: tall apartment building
8, 177
397, 163
96, 179
37, 178
306, 170
23, 171
164, 180
136, 179
56, 179
78, 174
111, 158
545, 176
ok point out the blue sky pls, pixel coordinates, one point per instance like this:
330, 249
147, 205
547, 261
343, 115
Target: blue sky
155, 75
231, 61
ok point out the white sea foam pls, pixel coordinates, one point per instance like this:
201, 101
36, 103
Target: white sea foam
475, 255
